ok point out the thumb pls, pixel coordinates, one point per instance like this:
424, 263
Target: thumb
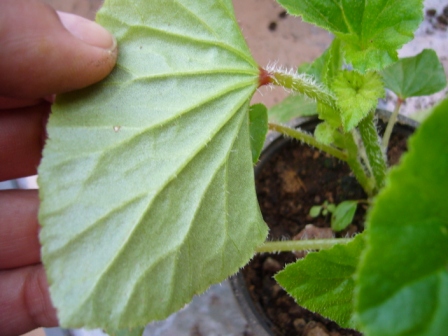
44, 52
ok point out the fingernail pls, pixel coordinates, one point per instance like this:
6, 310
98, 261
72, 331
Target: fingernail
88, 31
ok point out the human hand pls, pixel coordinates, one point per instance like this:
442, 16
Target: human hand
42, 53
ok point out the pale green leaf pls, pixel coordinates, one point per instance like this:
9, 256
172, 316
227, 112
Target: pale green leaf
371, 31
323, 281
315, 211
293, 106
324, 133
331, 207
147, 184
343, 215
258, 127
403, 277
419, 75
356, 95
329, 114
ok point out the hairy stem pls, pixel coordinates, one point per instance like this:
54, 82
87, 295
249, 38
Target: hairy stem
391, 123
301, 245
304, 84
373, 148
356, 166
308, 139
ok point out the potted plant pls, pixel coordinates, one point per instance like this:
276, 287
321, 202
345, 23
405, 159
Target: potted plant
293, 180
147, 177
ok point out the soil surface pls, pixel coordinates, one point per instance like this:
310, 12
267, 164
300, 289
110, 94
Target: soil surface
289, 183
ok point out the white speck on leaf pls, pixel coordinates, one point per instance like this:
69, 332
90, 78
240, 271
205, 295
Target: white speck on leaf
116, 128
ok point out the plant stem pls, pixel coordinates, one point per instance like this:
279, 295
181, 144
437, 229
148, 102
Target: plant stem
391, 123
373, 148
304, 84
308, 139
300, 245
356, 166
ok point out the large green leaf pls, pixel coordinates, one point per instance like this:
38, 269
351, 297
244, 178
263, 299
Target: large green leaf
419, 75
146, 180
403, 278
371, 31
323, 282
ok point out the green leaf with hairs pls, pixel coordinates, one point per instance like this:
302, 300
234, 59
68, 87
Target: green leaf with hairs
371, 32
356, 95
147, 187
403, 277
323, 281
419, 75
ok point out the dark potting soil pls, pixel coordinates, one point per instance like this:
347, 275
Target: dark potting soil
293, 180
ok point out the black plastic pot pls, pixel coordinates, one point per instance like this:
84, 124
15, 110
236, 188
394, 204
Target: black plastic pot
259, 323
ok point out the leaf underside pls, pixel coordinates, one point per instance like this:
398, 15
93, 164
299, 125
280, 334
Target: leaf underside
146, 180
323, 281
403, 277
371, 31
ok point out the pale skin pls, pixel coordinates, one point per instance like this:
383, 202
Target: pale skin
42, 53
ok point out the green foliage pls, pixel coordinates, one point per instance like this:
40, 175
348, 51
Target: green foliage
356, 95
325, 208
324, 133
258, 128
403, 277
343, 215
329, 114
325, 67
315, 211
371, 31
293, 106
419, 75
147, 184
324, 282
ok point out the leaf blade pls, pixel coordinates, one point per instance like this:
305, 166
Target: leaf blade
323, 281
409, 222
343, 215
371, 31
420, 75
147, 177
